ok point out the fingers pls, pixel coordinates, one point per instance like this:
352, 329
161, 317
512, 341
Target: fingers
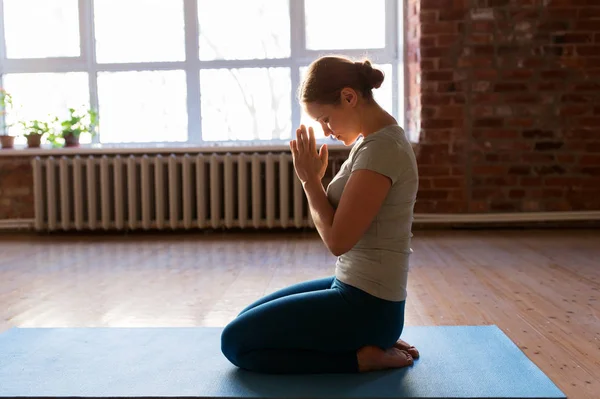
324, 153
300, 138
294, 147
312, 143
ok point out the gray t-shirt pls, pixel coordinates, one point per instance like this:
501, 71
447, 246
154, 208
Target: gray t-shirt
379, 262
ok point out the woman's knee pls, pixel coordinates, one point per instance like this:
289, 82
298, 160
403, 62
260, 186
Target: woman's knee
231, 345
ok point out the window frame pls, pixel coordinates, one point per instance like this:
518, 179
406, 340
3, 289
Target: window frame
392, 53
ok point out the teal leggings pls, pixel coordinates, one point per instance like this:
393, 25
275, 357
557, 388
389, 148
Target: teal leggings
312, 327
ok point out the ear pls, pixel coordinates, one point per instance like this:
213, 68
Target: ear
349, 96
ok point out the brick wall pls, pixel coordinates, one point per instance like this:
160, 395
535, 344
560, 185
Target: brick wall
509, 104
505, 96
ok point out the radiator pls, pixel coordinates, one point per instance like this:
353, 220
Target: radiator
171, 191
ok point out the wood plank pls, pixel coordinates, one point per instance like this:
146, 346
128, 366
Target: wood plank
540, 287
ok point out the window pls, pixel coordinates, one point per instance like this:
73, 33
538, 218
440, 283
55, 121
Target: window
198, 72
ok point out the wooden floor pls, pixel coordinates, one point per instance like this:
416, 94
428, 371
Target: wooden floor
540, 287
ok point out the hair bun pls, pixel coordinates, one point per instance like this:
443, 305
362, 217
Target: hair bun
373, 77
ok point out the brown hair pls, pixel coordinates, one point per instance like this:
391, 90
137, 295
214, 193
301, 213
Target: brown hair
327, 76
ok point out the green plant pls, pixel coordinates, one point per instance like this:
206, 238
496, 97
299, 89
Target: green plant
35, 127
74, 125
6, 104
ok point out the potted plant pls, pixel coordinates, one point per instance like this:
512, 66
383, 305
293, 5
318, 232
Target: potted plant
34, 131
6, 140
71, 128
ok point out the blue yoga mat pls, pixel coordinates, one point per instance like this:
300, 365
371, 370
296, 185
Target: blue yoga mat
456, 362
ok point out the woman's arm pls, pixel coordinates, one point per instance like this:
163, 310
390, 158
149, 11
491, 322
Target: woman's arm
361, 200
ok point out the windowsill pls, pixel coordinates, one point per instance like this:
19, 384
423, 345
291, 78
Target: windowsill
160, 148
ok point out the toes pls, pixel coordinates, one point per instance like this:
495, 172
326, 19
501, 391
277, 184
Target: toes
413, 352
405, 346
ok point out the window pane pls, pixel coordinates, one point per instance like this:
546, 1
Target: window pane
147, 106
345, 24
237, 30
401, 94
139, 30
245, 104
46, 95
41, 28
382, 95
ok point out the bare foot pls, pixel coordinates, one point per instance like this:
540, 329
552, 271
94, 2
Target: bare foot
371, 358
405, 346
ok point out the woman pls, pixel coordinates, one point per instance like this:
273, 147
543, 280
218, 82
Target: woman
350, 322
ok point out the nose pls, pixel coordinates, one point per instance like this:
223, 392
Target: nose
326, 130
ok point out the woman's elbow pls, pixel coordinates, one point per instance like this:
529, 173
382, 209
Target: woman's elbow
338, 248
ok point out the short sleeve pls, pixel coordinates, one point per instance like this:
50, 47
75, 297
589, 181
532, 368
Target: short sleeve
382, 156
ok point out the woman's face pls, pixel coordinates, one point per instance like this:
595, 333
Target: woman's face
337, 120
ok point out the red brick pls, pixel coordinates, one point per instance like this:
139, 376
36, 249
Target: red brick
433, 194
437, 123
531, 181
478, 206
433, 4
438, 28
432, 171
438, 75
588, 86
482, 26
504, 206
428, 17
483, 193
565, 158
520, 122
490, 170
516, 194
492, 134
549, 145
545, 170
424, 206
577, 38
561, 182
449, 206
427, 41
591, 121
448, 14
546, 86
593, 147
586, 25
434, 52
451, 111
537, 158
517, 74
574, 110
538, 133
475, 62
522, 98
559, 74
480, 38
590, 160
488, 122
510, 87
447, 182
587, 51
435, 99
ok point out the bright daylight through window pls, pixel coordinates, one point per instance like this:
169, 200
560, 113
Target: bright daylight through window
197, 72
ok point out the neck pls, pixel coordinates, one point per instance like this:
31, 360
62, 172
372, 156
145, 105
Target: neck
375, 118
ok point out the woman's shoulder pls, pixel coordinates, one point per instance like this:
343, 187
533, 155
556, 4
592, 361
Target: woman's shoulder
393, 138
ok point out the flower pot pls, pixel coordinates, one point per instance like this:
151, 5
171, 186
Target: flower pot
7, 142
71, 140
34, 140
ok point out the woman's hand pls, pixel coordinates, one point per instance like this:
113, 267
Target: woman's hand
309, 164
